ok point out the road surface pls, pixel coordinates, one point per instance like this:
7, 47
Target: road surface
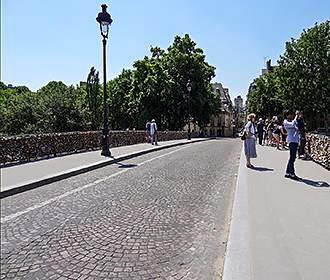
164, 215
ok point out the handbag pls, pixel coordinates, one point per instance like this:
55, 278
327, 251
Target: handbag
243, 137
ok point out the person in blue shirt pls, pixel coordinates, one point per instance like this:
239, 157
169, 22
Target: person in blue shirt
291, 127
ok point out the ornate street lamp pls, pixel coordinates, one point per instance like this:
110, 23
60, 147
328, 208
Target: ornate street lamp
104, 19
189, 87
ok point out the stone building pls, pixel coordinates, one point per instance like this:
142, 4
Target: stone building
238, 114
221, 124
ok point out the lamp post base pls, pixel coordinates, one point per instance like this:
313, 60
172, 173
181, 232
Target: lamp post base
105, 145
189, 135
106, 153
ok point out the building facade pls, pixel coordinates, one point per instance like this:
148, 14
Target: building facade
221, 124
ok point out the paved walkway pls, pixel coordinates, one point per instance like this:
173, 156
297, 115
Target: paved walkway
31, 174
280, 228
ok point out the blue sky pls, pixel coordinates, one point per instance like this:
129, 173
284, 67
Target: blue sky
60, 40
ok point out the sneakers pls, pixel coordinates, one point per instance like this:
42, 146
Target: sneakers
292, 176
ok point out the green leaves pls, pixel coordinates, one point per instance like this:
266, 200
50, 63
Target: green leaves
154, 88
302, 79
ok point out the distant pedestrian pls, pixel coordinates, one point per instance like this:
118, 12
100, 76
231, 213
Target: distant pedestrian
284, 135
260, 130
270, 128
293, 140
302, 134
250, 140
153, 132
148, 128
265, 131
277, 132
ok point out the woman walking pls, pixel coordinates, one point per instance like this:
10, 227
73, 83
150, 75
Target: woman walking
250, 140
277, 133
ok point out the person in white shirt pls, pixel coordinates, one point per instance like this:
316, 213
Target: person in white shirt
250, 141
153, 132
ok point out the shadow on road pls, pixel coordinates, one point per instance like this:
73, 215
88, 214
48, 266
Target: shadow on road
124, 165
315, 184
257, 168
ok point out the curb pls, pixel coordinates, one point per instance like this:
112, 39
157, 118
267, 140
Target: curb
237, 258
80, 170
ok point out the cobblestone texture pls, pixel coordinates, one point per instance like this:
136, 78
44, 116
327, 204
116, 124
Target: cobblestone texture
165, 219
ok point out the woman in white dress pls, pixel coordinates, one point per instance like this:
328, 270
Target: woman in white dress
250, 141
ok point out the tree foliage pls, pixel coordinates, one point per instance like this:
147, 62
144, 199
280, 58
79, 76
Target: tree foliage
301, 81
94, 97
155, 88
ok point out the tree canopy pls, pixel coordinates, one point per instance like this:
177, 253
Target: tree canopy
155, 87
301, 81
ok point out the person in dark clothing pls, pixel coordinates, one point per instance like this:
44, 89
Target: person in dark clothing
260, 130
302, 134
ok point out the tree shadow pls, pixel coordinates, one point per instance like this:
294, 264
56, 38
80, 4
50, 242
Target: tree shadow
261, 169
315, 184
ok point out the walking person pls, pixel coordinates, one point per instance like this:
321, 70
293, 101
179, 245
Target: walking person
293, 140
277, 133
153, 132
265, 132
148, 128
270, 128
284, 134
250, 140
302, 134
260, 130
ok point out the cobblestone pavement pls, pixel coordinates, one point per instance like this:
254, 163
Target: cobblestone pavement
160, 216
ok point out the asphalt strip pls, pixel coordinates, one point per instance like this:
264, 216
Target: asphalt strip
237, 260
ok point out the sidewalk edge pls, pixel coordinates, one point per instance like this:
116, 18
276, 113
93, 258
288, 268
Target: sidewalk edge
80, 170
237, 259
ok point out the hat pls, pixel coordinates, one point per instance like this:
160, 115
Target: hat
260, 119
153, 120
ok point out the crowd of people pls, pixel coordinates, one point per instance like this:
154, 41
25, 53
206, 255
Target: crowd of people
288, 134
272, 132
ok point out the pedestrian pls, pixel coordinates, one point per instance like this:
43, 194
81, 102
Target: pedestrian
284, 135
293, 140
153, 132
250, 140
265, 131
276, 132
270, 128
148, 128
260, 130
302, 134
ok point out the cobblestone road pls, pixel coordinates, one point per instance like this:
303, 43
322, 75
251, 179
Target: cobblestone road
160, 216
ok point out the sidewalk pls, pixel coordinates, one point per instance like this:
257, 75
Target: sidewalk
280, 228
26, 176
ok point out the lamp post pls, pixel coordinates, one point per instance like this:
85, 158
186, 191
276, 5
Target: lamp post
189, 86
104, 19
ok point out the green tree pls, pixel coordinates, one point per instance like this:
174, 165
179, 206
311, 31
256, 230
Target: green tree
119, 101
64, 108
264, 100
304, 72
94, 97
159, 86
301, 81
21, 111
